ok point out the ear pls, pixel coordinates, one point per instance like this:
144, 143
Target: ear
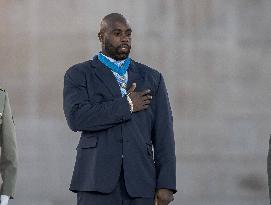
101, 36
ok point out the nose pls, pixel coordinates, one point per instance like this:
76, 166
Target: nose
125, 38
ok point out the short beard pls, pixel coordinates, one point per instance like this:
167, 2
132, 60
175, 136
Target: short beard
114, 51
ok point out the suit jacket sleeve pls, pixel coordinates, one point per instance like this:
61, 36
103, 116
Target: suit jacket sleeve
83, 113
8, 152
163, 140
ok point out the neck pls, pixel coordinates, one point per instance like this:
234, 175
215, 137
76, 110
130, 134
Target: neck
110, 56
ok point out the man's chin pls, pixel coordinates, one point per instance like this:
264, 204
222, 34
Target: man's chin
122, 56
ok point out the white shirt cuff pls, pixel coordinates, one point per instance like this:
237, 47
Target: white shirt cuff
4, 199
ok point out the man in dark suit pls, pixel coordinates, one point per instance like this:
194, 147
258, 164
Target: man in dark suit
126, 153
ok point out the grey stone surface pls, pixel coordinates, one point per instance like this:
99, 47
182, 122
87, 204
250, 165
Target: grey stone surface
215, 56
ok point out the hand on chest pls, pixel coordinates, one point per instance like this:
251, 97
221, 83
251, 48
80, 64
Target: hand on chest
108, 89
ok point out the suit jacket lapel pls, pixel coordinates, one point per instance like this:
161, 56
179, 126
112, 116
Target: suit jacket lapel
107, 77
109, 80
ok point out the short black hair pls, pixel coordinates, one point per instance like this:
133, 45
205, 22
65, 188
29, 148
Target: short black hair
111, 18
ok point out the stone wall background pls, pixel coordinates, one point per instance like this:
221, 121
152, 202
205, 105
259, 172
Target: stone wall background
215, 56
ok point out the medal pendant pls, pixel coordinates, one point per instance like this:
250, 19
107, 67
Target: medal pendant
123, 85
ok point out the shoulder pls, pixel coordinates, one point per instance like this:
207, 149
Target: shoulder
147, 70
79, 68
78, 72
150, 74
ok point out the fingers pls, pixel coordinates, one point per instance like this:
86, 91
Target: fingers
132, 88
147, 102
141, 100
147, 97
145, 92
145, 106
162, 202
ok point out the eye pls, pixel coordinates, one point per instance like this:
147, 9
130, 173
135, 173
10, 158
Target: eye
117, 33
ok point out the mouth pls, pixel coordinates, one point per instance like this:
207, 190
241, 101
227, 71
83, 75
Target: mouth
124, 47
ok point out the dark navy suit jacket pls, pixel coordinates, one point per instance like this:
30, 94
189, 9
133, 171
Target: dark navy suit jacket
93, 105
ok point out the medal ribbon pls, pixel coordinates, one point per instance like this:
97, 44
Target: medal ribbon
121, 70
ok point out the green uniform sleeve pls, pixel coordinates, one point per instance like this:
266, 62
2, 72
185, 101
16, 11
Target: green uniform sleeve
8, 161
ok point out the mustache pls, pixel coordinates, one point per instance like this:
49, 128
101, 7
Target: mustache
124, 45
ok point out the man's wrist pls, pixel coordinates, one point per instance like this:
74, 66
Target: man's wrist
165, 189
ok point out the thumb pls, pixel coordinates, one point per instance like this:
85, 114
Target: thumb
156, 200
132, 88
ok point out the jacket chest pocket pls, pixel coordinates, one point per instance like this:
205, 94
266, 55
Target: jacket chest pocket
87, 142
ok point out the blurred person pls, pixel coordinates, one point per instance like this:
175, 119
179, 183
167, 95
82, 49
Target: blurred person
8, 160
126, 153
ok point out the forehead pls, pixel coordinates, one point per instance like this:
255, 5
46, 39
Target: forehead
119, 25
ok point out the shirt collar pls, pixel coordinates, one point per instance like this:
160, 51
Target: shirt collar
118, 63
